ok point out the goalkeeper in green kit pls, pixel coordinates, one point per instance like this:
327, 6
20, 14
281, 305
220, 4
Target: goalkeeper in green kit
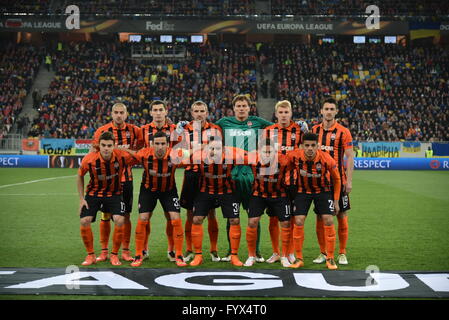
241, 131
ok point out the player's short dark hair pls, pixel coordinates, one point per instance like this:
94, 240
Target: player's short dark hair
309, 136
241, 97
107, 135
161, 134
330, 101
158, 102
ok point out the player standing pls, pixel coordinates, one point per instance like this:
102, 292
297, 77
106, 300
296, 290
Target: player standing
159, 112
288, 136
129, 136
104, 192
336, 140
313, 168
269, 170
216, 185
196, 137
242, 131
158, 183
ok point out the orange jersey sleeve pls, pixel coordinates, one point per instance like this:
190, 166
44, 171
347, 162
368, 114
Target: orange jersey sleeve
335, 174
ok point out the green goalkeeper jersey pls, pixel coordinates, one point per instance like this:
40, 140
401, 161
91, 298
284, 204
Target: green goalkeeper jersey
242, 134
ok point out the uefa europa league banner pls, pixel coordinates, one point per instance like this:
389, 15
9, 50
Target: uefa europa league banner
161, 25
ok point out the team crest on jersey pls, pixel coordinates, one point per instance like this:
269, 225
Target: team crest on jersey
318, 166
293, 136
333, 136
116, 165
249, 123
128, 135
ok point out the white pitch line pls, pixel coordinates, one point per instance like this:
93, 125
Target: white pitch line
34, 181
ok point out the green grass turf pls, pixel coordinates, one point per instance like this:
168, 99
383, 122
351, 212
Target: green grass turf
399, 221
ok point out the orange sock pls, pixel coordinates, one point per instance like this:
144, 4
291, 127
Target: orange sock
251, 239
212, 228
147, 235
126, 235
141, 235
169, 233
286, 237
188, 233
88, 238
105, 231
343, 233
274, 233
235, 233
117, 238
298, 238
291, 245
320, 235
197, 238
178, 236
329, 235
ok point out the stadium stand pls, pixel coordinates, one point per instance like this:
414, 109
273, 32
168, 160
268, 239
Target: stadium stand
386, 93
390, 8
19, 64
91, 76
357, 7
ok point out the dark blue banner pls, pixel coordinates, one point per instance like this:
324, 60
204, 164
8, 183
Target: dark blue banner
23, 161
401, 164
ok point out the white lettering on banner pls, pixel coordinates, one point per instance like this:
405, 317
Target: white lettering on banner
438, 282
385, 282
444, 27
103, 278
255, 281
379, 164
295, 26
445, 164
6, 272
373, 21
7, 161
161, 26
73, 20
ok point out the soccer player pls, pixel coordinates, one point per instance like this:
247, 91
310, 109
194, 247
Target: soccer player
288, 136
129, 136
313, 169
196, 136
336, 140
241, 131
158, 183
159, 112
268, 192
216, 185
104, 192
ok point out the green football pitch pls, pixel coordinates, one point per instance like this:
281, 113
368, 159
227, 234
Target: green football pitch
399, 221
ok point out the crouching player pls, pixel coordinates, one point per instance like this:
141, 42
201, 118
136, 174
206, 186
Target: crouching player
104, 192
313, 168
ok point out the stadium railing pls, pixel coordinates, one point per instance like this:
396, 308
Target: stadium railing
11, 144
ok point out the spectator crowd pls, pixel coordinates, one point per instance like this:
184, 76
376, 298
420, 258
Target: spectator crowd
205, 8
19, 65
91, 76
385, 92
